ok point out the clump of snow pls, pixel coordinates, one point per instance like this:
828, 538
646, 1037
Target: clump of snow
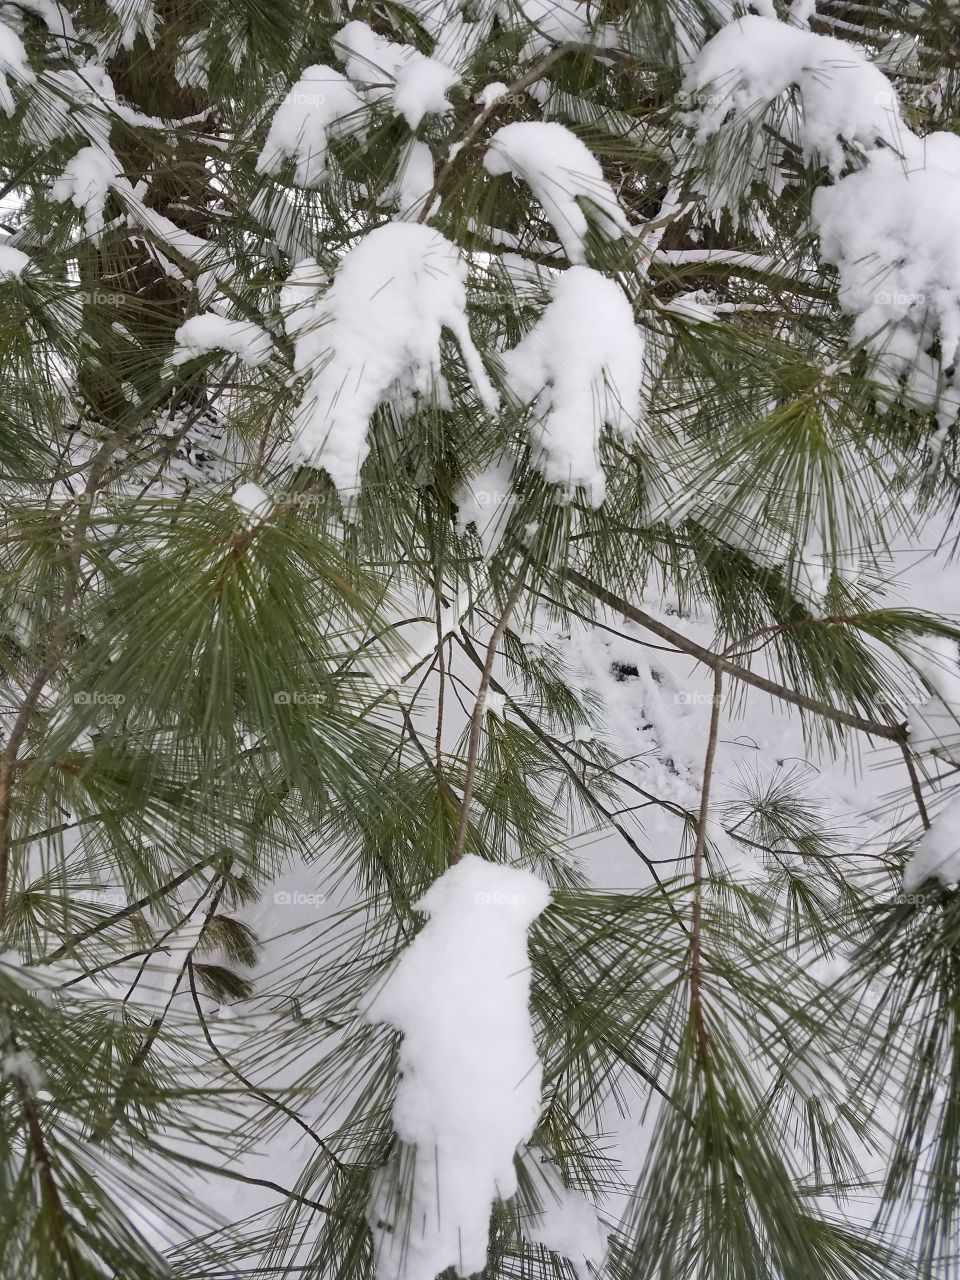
192, 69
553, 22
937, 854
254, 501
889, 231
413, 183
756, 61
485, 502
323, 104
581, 367
696, 307
134, 16
13, 63
491, 93
21, 1065
71, 102
13, 262
375, 336
561, 172
413, 83
86, 182
567, 1223
470, 1087
212, 332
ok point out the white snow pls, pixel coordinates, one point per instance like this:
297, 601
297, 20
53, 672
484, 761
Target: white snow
192, 69
491, 93
71, 102
561, 172
485, 502
254, 501
212, 332
13, 63
13, 262
134, 16
567, 1222
470, 1086
86, 182
581, 366
937, 853
374, 336
21, 1065
415, 84
755, 61
322, 104
889, 229
413, 183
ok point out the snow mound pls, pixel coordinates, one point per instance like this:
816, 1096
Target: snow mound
323, 104
13, 262
581, 367
86, 182
470, 1086
415, 84
253, 502
374, 336
413, 183
889, 229
567, 1223
13, 63
212, 332
756, 61
937, 854
560, 171
134, 16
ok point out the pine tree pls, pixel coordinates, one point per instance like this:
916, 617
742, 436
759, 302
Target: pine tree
406, 406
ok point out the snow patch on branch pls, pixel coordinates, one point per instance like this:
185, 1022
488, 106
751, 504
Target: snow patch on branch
567, 1223
890, 230
211, 332
374, 336
937, 855
414, 84
560, 171
757, 61
13, 63
323, 104
86, 182
13, 262
470, 1085
135, 17
413, 183
580, 367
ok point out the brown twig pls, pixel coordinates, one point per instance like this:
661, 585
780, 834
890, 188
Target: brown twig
696, 925
476, 721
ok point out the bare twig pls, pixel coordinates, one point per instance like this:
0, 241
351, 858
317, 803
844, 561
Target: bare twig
696, 926
476, 720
